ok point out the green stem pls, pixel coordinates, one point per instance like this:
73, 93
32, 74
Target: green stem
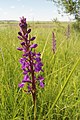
35, 108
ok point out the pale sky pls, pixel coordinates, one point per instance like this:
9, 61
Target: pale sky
37, 10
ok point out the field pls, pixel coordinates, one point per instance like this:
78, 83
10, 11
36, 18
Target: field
60, 98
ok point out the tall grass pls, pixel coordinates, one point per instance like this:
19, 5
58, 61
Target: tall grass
60, 99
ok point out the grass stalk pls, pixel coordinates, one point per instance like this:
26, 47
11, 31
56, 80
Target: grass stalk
61, 91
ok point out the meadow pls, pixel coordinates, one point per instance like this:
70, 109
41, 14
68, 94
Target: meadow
60, 98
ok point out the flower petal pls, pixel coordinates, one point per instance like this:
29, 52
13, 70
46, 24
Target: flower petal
20, 38
20, 33
21, 85
33, 38
41, 84
29, 31
40, 78
20, 49
33, 46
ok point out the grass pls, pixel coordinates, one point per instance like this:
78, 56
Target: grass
60, 99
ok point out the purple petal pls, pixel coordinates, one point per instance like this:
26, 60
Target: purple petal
37, 69
38, 66
20, 49
32, 53
20, 38
33, 38
41, 84
23, 43
26, 79
23, 66
22, 60
22, 20
21, 85
22, 25
33, 46
38, 59
29, 81
29, 88
40, 78
25, 72
38, 55
29, 31
26, 54
20, 33
26, 35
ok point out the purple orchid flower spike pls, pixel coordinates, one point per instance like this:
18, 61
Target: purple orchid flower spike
23, 25
53, 43
31, 63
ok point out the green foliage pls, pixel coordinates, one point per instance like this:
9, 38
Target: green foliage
71, 6
60, 99
77, 25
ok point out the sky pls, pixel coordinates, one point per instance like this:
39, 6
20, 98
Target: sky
33, 10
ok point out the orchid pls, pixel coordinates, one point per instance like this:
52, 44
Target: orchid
53, 43
31, 63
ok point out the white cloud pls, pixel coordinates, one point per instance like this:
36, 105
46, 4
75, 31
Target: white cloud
18, 0
31, 10
1, 9
12, 7
23, 6
5, 13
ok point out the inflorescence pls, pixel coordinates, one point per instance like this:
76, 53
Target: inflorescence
30, 61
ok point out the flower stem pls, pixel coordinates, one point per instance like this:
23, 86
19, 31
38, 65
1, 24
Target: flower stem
35, 107
33, 87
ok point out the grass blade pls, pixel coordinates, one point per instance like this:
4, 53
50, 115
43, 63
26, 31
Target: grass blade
66, 81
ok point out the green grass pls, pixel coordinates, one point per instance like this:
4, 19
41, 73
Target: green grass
60, 99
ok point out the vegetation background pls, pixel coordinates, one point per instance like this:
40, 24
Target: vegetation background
60, 99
